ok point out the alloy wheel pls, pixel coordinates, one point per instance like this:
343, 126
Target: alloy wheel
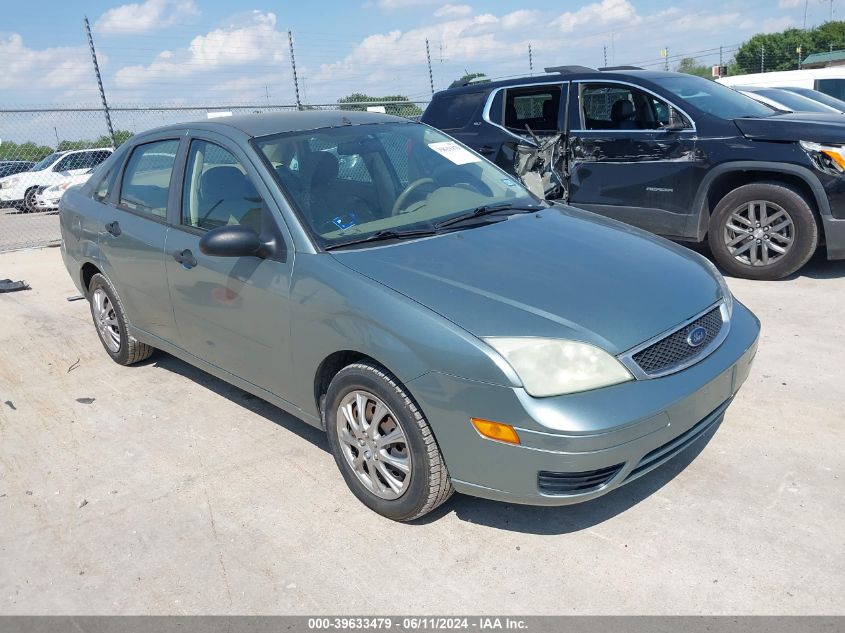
374, 444
105, 319
759, 233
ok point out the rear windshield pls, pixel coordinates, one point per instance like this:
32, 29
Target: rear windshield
450, 112
794, 102
713, 98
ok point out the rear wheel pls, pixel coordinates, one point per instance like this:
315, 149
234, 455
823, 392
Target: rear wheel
763, 231
110, 322
383, 445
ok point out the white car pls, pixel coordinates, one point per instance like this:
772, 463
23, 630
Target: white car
19, 191
47, 198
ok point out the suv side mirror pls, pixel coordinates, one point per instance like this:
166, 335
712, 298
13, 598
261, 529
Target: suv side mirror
234, 241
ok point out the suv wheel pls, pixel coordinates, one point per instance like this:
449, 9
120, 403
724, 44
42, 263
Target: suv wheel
110, 322
383, 444
763, 231
29, 200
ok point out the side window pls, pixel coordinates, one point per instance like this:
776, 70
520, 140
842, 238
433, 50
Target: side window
217, 190
452, 112
103, 188
535, 107
146, 178
97, 157
71, 161
621, 107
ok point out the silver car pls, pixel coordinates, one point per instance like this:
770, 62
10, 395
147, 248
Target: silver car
377, 279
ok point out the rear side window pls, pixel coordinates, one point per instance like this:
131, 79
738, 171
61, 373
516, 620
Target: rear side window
451, 112
537, 108
146, 179
832, 87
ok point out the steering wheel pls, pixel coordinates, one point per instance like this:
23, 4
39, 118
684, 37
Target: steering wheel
400, 201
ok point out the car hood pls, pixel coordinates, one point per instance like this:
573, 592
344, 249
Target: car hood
796, 126
560, 273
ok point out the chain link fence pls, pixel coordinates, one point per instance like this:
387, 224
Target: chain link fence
43, 152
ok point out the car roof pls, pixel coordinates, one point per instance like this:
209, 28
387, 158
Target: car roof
600, 75
267, 123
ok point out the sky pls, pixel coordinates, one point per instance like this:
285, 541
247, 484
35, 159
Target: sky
214, 52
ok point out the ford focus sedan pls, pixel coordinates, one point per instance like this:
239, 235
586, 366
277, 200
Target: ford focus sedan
377, 279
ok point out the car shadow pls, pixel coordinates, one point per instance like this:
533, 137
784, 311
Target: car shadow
495, 514
549, 520
240, 397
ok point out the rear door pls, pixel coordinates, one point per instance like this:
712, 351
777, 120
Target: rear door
232, 312
133, 232
626, 163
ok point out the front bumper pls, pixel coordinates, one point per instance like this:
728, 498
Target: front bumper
46, 203
834, 236
581, 446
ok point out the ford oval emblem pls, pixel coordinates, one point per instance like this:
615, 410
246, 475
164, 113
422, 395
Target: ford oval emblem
696, 336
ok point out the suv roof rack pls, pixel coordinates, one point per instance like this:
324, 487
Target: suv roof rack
474, 80
565, 70
606, 68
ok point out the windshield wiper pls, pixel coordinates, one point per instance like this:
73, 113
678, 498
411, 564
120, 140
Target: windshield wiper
487, 209
386, 234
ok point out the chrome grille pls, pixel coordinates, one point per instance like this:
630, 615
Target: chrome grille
674, 350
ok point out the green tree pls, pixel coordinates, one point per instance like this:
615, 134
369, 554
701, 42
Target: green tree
120, 137
393, 104
467, 77
9, 150
779, 51
689, 66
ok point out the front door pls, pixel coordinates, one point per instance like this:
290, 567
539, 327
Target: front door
132, 235
232, 312
632, 157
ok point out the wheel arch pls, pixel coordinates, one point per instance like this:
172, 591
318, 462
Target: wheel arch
87, 272
728, 176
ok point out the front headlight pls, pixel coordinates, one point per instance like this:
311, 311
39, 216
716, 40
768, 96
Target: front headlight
553, 367
725, 291
829, 158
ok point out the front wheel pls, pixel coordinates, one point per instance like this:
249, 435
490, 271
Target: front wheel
29, 200
383, 445
763, 231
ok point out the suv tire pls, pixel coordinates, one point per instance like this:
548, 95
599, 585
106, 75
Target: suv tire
111, 324
29, 200
384, 435
763, 230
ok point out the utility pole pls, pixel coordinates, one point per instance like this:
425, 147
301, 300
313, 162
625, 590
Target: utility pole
430, 74
293, 67
665, 55
605, 55
100, 81
798, 50
721, 58
530, 59
806, 2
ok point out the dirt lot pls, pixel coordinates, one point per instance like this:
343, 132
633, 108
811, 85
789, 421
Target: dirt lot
159, 489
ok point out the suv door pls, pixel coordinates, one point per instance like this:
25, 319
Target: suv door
232, 312
133, 232
632, 157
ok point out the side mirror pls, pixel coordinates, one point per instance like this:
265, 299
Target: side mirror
234, 241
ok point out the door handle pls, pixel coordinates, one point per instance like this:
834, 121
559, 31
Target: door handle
486, 149
113, 228
186, 258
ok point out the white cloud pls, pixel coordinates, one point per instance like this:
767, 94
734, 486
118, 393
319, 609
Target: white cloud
145, 17
598, 14
520, 18
252, 40
453, 11
789, 4
60, 68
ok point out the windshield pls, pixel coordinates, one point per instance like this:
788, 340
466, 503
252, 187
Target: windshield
794, 102
45, 162
821, 97
713, 98
350, 182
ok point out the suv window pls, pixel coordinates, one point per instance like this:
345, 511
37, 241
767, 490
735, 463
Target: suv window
452, 112
536, 107
217, 190
623, 107
832, 87
146, 179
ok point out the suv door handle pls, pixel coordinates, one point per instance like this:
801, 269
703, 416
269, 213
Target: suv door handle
486, 149
186, 258
113, 228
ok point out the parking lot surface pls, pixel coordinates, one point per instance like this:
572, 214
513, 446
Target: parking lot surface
20, 230
158, 489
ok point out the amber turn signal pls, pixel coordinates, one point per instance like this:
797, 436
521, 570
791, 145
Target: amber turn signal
495, 431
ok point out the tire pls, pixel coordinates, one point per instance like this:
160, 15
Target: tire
111, 324
753, 251
29, 200
426, 484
